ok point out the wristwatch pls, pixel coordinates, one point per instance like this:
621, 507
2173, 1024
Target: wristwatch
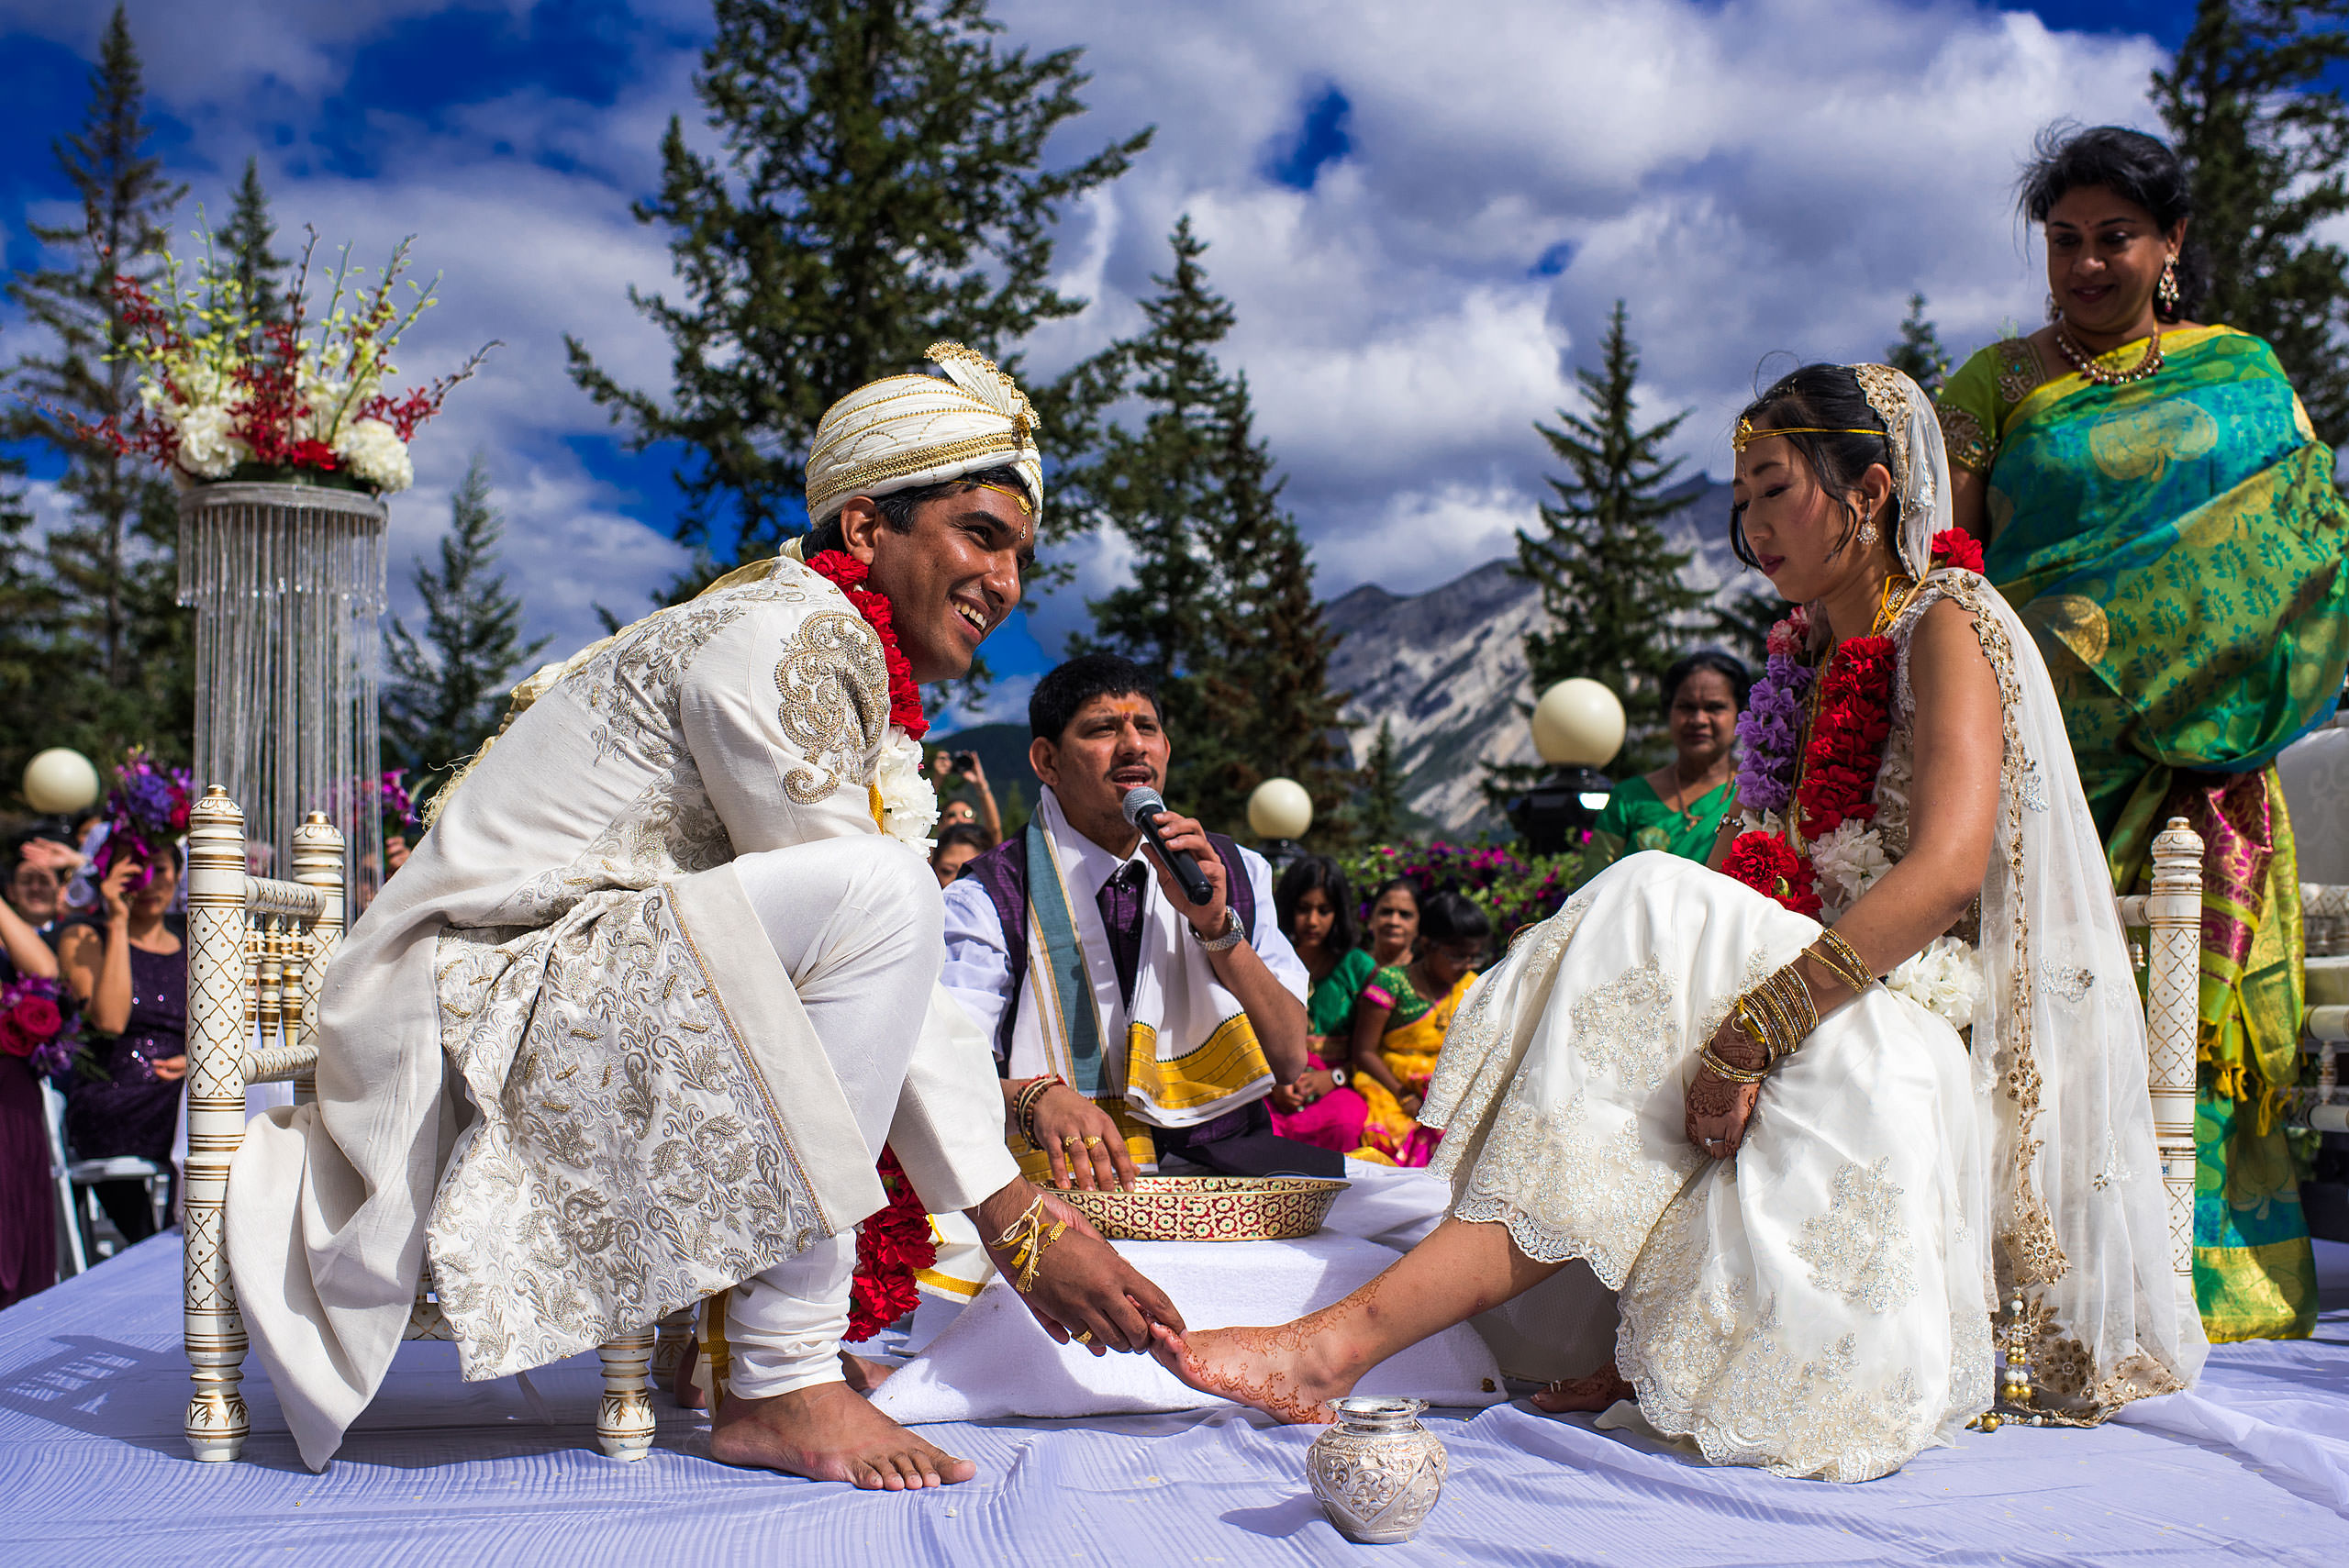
1233, 935
1337, 1077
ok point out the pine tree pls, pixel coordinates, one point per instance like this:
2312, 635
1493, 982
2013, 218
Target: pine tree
2255, 112
448, 689
1919, 354
1610, 585
114, 566
879, 187
259, 271
1221, 608
33, 666
1381, 789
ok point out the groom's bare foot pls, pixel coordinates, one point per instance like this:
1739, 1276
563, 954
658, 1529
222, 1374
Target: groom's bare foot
864, 1375
1289, 1373
831, 1432
1602, 1390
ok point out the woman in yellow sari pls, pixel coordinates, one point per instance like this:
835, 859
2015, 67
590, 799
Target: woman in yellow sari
1399, 1023
2162, 516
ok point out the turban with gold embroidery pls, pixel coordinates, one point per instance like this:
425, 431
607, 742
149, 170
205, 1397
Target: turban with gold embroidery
911, 430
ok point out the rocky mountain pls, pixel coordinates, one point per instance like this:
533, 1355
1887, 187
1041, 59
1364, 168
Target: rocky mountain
1447, 667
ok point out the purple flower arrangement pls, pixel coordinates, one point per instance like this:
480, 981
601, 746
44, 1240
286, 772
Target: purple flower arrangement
147, 811
40, 1024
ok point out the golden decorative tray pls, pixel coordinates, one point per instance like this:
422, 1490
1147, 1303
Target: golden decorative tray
1209, 1208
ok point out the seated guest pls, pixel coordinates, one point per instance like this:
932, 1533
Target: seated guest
1401, 1019
1394, 922
1677, 808
131, 976
1129, 1025
1315, 907
958, 844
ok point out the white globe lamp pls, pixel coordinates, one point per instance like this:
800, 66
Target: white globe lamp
59, 782
1579, 723
1280, 809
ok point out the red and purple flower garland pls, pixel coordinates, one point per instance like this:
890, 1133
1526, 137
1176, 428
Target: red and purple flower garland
1839, 759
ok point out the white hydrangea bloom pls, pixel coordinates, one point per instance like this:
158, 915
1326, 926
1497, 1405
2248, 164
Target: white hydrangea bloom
376, 455
208, 445
1945, 979
908, 800
1848, 862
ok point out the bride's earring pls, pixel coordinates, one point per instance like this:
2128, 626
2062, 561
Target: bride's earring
1867, 533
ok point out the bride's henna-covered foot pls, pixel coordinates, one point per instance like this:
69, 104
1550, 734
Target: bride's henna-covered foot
1290, 1372
1600, 1390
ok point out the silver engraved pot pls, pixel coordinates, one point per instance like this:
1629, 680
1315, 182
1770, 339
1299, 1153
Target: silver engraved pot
1378, 1472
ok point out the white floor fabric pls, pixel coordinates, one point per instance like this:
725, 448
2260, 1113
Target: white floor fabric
92, 1471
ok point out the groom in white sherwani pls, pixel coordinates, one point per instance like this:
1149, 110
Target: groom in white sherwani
632, 1023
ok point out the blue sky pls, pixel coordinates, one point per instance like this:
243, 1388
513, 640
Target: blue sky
1421, 214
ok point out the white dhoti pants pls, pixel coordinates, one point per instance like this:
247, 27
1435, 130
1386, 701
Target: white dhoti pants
858, 924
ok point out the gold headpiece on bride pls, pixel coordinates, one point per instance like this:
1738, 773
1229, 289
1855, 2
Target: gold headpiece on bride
1747, 435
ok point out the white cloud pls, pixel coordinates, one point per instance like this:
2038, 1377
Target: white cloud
1761, 177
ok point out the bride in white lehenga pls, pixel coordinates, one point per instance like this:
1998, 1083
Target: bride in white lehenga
1808, 1193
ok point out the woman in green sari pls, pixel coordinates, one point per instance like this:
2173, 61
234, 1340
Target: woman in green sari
1678, 807
2158, 509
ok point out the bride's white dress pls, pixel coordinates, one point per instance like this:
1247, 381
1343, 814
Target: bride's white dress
1817, 1305
1821, 1303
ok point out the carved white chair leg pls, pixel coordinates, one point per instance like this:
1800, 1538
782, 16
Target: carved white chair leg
2173, 912
624, 1418
217, 1422
675, 1332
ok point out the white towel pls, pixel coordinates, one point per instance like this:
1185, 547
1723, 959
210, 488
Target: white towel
994, 1360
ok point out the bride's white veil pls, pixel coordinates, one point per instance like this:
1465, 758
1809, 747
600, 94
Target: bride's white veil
2080, 1220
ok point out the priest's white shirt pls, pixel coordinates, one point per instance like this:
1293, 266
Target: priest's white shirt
978, 969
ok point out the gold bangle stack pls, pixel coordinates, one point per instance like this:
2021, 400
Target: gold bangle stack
1027, 1238
1777, 1015
1842, 961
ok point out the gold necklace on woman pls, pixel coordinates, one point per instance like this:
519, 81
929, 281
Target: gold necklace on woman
2149, 364
1687, 810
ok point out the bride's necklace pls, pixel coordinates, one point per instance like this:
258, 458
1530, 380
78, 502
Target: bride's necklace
2149, 364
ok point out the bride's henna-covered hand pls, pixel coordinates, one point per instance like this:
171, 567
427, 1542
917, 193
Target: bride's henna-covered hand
1717, 1109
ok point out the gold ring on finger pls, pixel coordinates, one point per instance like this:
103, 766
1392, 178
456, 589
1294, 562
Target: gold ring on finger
1072, 1142
1083, 1336
1093, 1143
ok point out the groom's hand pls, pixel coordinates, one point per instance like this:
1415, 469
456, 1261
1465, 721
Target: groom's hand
1082, 1287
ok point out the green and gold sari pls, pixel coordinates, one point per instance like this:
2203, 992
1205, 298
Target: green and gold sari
2176, 546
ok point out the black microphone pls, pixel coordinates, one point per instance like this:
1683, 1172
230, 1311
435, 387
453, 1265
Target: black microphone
1142, 806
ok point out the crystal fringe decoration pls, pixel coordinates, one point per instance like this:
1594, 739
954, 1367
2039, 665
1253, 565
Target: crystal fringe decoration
287, 585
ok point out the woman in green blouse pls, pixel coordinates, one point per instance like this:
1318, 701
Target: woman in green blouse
1678, 807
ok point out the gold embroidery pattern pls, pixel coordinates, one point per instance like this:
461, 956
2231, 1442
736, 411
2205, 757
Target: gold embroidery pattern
2018, 370
835, 687
632, 684
1969, 446
623, 1165
1568, 1189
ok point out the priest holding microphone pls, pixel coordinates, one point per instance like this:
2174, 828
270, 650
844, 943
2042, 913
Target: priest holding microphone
1136, 1019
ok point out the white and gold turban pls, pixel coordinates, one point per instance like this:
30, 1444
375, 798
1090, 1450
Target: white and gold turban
910, 430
